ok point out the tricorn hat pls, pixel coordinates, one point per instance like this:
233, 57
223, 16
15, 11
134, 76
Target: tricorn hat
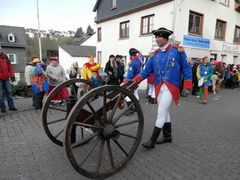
162, 32
133, 51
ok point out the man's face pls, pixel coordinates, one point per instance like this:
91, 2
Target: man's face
54, 62
160, 41
205, 61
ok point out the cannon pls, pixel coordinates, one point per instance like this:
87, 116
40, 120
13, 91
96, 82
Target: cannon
91, 124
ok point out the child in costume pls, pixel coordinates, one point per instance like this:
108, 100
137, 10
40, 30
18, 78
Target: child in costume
39, 82
204, 71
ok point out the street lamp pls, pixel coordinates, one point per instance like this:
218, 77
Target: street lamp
39, 34
174, 19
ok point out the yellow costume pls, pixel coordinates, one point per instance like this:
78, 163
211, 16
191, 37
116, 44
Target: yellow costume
89, 68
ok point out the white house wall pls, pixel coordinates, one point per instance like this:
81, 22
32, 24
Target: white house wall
92, 41
66, 60
212, 11
111, 44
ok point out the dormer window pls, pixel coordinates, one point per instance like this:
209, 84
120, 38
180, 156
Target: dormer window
114, 4
11, 37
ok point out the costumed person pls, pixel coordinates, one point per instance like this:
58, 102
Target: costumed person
75, 72
151, 89
120, 68
27, 73
28, 78
56, 75
6, 73
167, 63
214, 77
96, 80
238, 68
39, 82
111, 69
134, 68
195, 80
204, 74
219, 71
89, 68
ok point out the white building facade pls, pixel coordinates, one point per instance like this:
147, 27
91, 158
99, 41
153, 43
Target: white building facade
66, 59
204, 27
69, 54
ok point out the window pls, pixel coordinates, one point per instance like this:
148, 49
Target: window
124, 60
12, 58
114, 4
220, 29
237, 34
235, 60
11, 37
147, 24
195, 60
213, 57
99, 57
237, 5
224, 2
223, 57
99, 34
124, 29
195, 23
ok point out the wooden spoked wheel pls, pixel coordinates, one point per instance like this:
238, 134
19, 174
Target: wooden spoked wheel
111, 137
55, 112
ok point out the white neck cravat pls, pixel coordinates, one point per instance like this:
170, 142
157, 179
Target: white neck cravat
163, 49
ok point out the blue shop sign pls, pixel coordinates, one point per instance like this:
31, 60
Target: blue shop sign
196, 41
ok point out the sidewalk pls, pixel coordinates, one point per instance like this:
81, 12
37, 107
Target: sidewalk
205, 144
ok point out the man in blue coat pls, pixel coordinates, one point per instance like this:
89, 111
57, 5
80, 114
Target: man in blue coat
168, 64
134, 68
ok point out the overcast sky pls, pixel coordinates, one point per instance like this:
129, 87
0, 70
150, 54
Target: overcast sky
54, 14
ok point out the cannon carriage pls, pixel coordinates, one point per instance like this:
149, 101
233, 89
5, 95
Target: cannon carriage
90, 123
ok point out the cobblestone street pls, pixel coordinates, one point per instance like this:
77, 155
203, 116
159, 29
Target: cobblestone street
205, 144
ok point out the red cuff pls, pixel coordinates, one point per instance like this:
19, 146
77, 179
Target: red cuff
187, 84
125, 81
138, 79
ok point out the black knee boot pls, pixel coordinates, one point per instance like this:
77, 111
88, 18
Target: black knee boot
152, 100
167, 135
151, 143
